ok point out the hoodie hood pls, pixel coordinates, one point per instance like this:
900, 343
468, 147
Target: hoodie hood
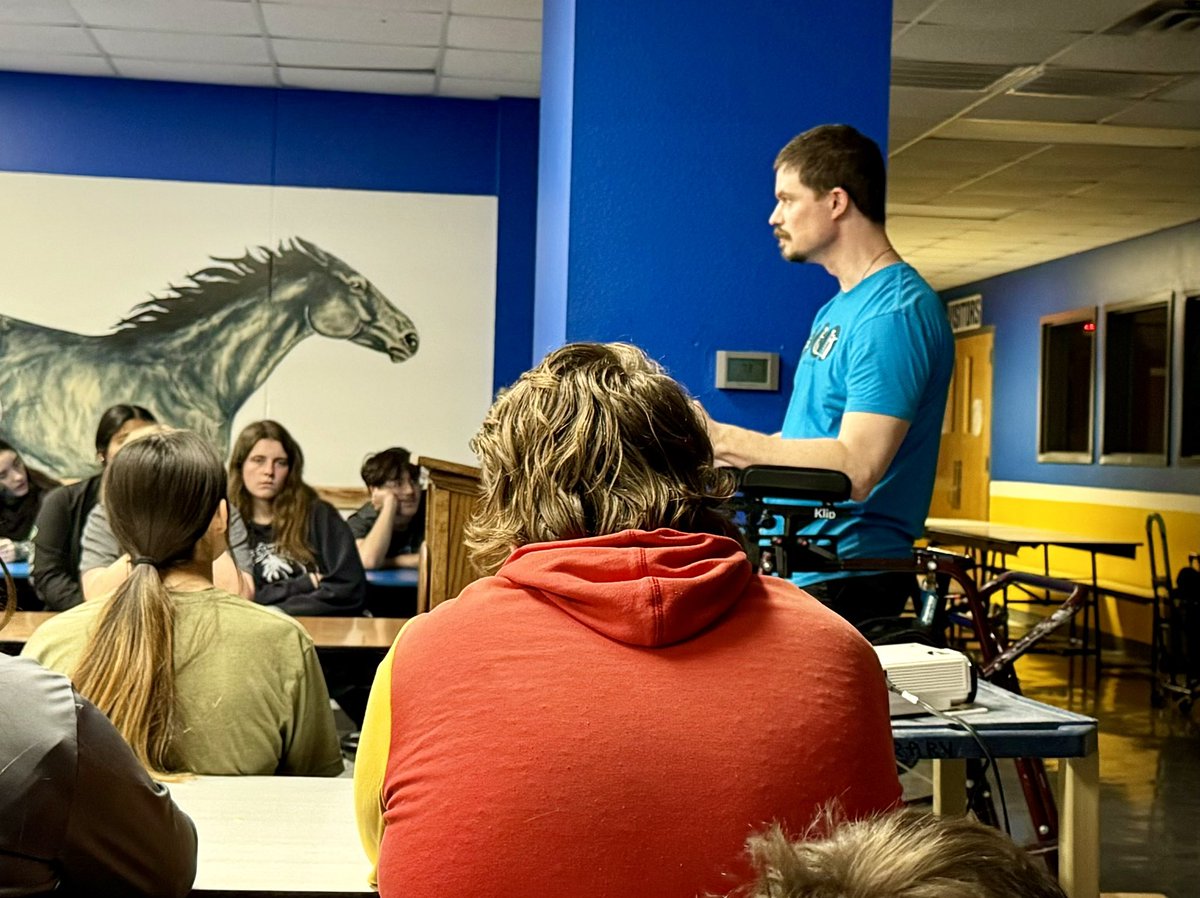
645, 588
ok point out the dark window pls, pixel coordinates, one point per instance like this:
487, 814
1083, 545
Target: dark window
1189, 419
1136, 383
1068, 371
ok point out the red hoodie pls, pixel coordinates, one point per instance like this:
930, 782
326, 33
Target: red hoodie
613, 716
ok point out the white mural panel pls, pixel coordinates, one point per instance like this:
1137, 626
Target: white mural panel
325, 293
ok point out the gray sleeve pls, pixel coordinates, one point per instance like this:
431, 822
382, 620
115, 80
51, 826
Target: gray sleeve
98, 546
125, 836
239, 541
362, 520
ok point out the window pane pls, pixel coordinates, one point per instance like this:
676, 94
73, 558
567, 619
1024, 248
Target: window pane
1068, 348
1189, 426
1135, 381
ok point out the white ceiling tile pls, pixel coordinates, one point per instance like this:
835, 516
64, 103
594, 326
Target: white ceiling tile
1050, 109
475, 88
372, 26
478, 33
368, 82
926, 102
390, 6
1160, 114
908, 10
38, 12
52, 39
488, 65
1186, 91
944, 43
329, 54
208, 48
159, 70
1136, 53
60, 65
208, 17
1057, 15
509, 9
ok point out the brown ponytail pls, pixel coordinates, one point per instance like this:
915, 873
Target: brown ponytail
160, 493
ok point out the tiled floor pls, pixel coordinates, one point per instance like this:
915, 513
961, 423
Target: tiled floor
1149, 773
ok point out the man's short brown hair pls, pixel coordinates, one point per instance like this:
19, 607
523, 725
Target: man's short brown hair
830, 156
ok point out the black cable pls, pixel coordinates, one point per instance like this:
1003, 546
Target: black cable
974, 734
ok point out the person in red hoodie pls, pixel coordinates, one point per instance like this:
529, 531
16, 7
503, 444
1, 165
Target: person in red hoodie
623, 700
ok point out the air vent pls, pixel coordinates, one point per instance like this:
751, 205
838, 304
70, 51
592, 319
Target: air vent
945, 75
1162, 17
1082, 83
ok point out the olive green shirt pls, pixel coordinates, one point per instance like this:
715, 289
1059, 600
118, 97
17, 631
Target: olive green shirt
250, 695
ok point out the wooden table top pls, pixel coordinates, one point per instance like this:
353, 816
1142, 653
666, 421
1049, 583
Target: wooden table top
326, 632
1010, 537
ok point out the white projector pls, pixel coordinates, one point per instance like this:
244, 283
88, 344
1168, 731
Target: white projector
939, 677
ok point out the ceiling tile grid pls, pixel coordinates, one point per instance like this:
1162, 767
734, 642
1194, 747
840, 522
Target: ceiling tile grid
1021, 130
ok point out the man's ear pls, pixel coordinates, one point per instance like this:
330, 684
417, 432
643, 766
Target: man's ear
839, 202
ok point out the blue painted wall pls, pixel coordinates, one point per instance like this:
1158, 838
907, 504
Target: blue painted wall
1014, 303
676, 115
190, 132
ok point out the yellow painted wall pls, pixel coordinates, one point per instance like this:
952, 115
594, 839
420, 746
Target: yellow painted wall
1058, 512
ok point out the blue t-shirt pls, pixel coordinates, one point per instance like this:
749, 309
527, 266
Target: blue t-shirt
883, 347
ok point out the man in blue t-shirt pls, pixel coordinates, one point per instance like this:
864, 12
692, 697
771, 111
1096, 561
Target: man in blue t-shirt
870, 386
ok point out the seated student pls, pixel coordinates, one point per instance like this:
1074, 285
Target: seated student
907, 854
78, 813
21, 492
55, 568
624, 699
197, 680
305, 561
389, 529
103, 567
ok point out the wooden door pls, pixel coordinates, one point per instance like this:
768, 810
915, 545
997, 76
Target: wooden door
964, 461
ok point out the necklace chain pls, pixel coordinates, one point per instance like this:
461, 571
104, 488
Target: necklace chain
886, 250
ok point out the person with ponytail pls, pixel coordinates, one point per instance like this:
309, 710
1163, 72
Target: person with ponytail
305, 559
196, 679
78, 814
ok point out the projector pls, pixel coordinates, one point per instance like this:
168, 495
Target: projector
939, 677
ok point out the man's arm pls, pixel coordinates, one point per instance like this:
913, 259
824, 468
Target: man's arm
866, 444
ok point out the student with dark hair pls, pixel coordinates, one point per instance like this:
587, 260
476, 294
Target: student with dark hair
907, 854
197, 680
21, 491
305, 560
624, 698
389, 529
103, 566
78, 813
55, 568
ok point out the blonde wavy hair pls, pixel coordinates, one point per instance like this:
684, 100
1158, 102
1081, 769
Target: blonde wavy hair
904, 854
595, 440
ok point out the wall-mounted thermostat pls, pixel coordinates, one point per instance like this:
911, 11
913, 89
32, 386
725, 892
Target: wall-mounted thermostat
747, 370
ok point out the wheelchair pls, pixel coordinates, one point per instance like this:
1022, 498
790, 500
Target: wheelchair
768, 511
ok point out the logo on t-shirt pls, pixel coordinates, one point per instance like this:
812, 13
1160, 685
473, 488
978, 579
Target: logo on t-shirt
273, 566
821, 344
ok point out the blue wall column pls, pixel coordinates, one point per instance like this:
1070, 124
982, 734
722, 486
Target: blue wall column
659, 126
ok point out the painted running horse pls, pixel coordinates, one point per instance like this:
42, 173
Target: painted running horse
192, 356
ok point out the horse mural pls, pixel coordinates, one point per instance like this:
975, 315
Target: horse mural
192, 356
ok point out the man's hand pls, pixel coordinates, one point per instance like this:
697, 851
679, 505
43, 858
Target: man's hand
8, 550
